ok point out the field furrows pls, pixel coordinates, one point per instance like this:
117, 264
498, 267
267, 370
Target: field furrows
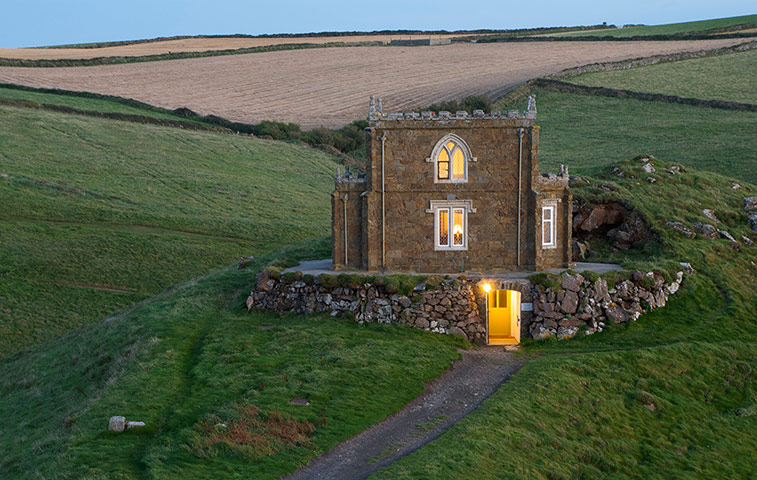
330, 87
195, 45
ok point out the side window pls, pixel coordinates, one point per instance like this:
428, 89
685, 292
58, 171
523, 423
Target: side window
548, 235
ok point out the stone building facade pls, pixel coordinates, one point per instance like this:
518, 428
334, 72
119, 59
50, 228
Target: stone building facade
451, 192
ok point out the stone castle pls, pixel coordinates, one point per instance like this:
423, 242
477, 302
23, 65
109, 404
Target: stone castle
451, 192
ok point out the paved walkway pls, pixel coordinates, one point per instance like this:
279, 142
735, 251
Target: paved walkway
317, 267
452, 396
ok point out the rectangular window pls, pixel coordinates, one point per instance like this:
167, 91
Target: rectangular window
451, 228
443, 227
549, 233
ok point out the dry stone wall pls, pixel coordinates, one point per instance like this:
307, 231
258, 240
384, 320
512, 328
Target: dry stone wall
570, 304
451, 307
579, 302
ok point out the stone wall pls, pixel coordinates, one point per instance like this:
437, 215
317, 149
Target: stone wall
579, 302
451, 307
457, 306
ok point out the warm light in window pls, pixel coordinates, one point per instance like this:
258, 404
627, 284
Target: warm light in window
458, 164
457, 227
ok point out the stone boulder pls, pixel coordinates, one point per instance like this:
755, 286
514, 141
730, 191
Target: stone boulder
596, 219
711, 215
616, 313
600, 290
706, 230
541, 333
752, 221
727, 236
569, 303
566, 332
750, 203
457, 331
572, 282
680, 227
117, 423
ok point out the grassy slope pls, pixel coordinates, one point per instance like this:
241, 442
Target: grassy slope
102, 105
135, 208
724, 77
671, 28
589, 132
582, 414
192, 354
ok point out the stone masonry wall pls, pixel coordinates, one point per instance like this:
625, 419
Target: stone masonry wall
580, 302
457, 306
452, 307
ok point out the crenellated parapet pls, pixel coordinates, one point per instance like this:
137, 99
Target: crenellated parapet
376, 113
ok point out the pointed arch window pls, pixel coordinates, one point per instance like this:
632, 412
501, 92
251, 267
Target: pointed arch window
451, 156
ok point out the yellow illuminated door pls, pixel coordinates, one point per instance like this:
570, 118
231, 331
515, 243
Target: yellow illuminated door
504, 317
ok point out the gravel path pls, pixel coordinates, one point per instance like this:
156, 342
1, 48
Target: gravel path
452, 396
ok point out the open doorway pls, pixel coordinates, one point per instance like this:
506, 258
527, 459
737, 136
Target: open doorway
503, 317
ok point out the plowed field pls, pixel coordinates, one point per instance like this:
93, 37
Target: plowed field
193, 45
330, 86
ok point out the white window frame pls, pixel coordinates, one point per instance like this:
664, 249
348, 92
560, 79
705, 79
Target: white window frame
451, 206
441, 145
552, 208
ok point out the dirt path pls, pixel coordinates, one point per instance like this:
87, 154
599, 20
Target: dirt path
451, 397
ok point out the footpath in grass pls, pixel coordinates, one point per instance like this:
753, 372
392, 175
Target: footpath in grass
672, 395
213, 386
723, 77
98, 214
589, 133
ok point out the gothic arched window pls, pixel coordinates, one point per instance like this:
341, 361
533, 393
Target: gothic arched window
451, 156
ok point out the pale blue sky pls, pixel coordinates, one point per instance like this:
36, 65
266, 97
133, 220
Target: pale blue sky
26, 23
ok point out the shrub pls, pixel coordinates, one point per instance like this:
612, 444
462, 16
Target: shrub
329, 281
392, 285
308, 279
590, 276
547, 280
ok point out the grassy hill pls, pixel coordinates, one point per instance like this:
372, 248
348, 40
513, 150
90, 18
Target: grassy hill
212, 385
590, 132
673, 395
100, 214
724, 77
684, 28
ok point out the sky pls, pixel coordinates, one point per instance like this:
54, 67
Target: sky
30, 23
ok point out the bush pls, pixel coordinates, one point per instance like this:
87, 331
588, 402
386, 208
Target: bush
590, 276
329, 281
392, 285
547, 280
308, 279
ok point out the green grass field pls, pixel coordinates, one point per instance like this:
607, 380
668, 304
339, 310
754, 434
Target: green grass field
195, 367
672, 395
102, 105
723, 77
698, 27
590, 132
99, 214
